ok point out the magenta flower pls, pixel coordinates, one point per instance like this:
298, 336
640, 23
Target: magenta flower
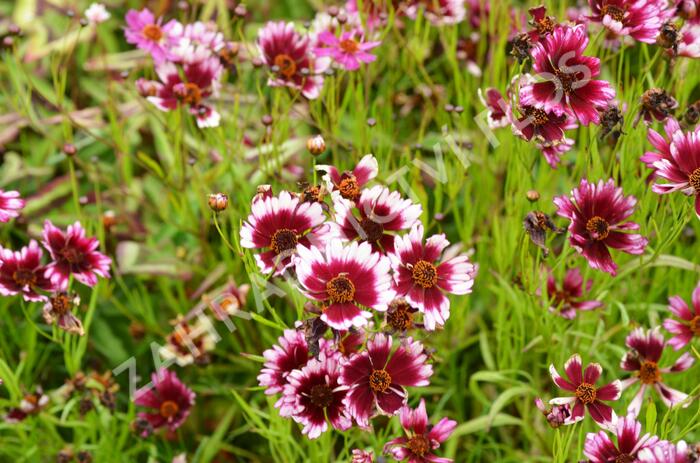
170, 399
346, 50
599, 448
190, 85
377, 377
381, 212
423, 280
150, 35
313, 397
639, 19
542, 25
362, 456
10, 205
421, 438
689, 324
291, 353
21, 272
566, 301
349, 183
642, 359
596, 212
666, 452
438, 12
689, 45
497, 107
677, 160
31, 404
344, 279
556, 415
74, 254
289, 56
586, 394
569, 85
278, 224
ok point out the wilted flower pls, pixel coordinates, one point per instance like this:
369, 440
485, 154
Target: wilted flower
10, 205
639, 19
291, 354
536, 224
566, 301
74, 254
59, 308
21, 272
346, 50
218, 202
586, 395
423, 279
421, 438
596, 212
657, 104
599, 448
349, 183
642, 360
170, 399
556, 415
345, 279
150, 35
689, 324
399, 316
96, 14
542, 24
611, 120
377, 376
189, 342
31, 404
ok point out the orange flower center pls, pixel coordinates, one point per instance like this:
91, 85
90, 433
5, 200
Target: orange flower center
283, 240
694, 180
168, 409
598, 228
586, 393
190, 93
695, 325
349, 189
649, 373
624, 458
564, 81
349, 46
340, 289
545, 25
379, 381
400, 316
321, 395
152, 32
61, 304
24, 277
287, 66
537, 116
418, 445
617, 13
424, 274
72, 255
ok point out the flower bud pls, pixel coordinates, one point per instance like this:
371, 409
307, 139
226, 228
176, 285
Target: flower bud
316, 145
218, 202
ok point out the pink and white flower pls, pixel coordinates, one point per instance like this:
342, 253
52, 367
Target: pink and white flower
377, 376
639, 19
96, 14
423, 279
349, 183
150, 34
497, 107
344, 279
277, 224
666, 452
689, 46
348, 50
688, 326
438, 12
421, 438
381, 213
642, 359
21, 272
291, 353
599, 448
586, 395
10, 205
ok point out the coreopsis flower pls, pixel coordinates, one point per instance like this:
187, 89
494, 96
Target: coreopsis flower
73, 254
189, 342
290, 57
542, 25
218, 202
190, 85
59, 309
676, 160
688, 326
199, 34
642, 360
31, 404
423, 279
596, 212
666, 452
277, 224
313, 397
421, 438
10, 205
689, 44
362, 456
349, 50
566, 301
291, 353
569, 85
586, 395
381, 213
377, 376
150, 34
21, 272
170, 400
345, 279
556, 415
639, 19
375, 12
599, 448
496, 106
96, 14
349, 183
438, 12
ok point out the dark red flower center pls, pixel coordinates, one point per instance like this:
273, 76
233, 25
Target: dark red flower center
349, 46
649, 373
586, 393
23, 276
564, 81
190, 93
287, 66
168, 409
400, 316
418, 445
379, 381
615, 12
373, 230
695, 325
72, 255
348, 187
624, 458
283, 240
536, 116
424, 274
694, 180
321, 395
152, 32
340, 289
61, 304
598, 228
